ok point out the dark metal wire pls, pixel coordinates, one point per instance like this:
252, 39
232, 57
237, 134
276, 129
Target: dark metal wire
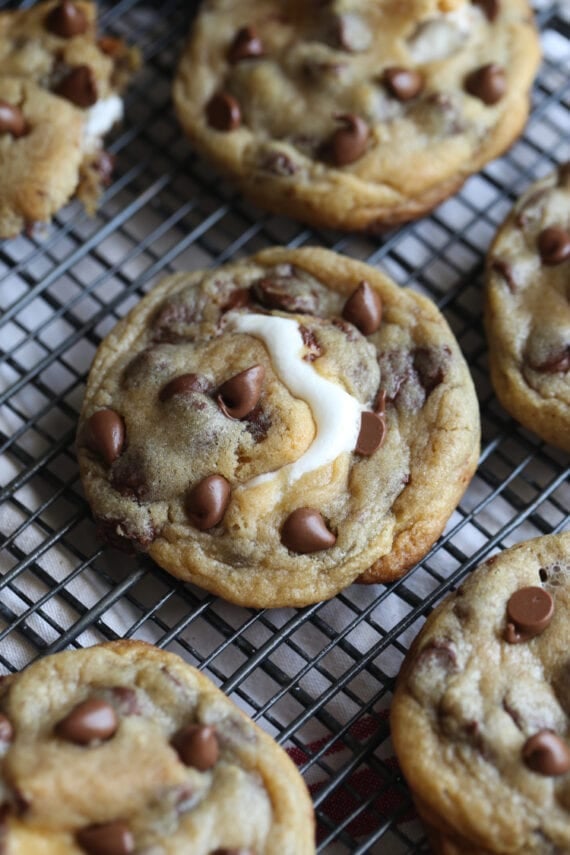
319, 678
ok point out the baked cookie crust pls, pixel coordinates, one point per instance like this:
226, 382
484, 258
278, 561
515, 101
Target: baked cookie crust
287, 327
355, 114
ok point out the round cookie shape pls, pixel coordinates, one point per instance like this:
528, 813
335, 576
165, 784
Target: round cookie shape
355, 115
288, 423
527, 309
481, 723
184, 770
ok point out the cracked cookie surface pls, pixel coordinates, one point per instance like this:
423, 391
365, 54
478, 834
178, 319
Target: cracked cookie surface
124, 748
528, 309
60, 91
480, 716
275, 428
355, 114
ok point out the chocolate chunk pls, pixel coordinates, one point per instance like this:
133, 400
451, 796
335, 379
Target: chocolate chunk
305, 530
380, 403
554, 246
313, 348
258, 423
207, 502
91, 720
66, 20
238, 299
184, 384
279, 163
372, 433
488, 83
352, 33
557, 363
439, 651
506, 271
197, 746
348, 143
112, 838
223, 112
105, 434
6, 729
129, 479
12, 120
79, 87
529, 611
119, 534
547, 754
125, 700
490, 8
279, 292
429, 364
403, 83
240, 394
246, 45
364, 309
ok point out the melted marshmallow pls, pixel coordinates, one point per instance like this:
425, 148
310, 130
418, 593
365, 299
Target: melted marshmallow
100, 118
437, 38
336, 414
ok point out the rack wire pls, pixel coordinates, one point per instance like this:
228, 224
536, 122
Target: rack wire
320, 678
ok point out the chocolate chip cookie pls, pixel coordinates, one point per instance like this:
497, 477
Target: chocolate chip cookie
275, 428
528, 309
355, 115
123, 748
480, 717
59, 95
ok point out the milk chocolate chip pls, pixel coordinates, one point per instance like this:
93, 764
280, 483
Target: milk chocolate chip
207, 502
348, 143
105, 434
305, 530
554, 246
91, 720
488, 83
372, 432
403, 83
239, 395
223, 112
364, 309
490, 8
12, 120
546, 753
197, 746
79, 87
112, 838
66, 20
246, 45
183, 385
529, 611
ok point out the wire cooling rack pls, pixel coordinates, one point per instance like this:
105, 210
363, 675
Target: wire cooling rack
320, 678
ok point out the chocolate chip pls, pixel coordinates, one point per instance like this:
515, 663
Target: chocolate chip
246, 45
403, 83
554, 246
12, 120
279, 163
197, 746
488, 83
112, 838
364, 309
91, 720
372, 433
529, 611
223, 112
547, 754
348, 143
184, 384
352, 33
313, 348
105, 434
240, 394
490, 8
6, 729
79, 87
305, 530
441, 652
506, 271
66, 20
207, 502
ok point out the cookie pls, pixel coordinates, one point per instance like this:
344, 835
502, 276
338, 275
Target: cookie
480, 716
59, 95
355, 115
275, 428
528, 309
124, 748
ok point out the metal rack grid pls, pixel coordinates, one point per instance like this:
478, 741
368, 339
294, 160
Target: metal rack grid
318, 678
